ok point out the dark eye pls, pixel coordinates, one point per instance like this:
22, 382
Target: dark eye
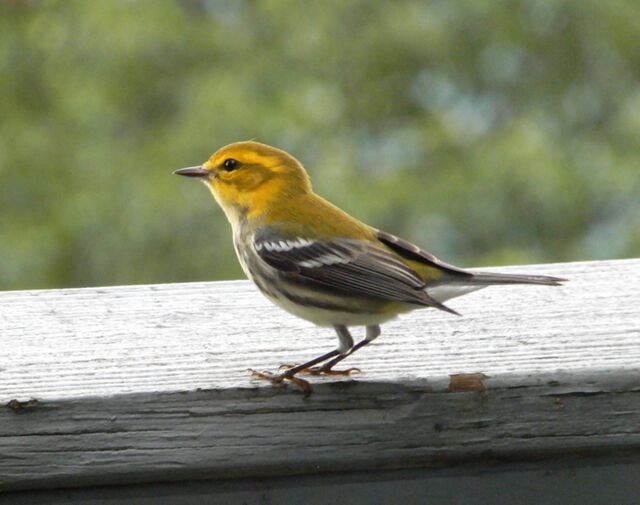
230, 164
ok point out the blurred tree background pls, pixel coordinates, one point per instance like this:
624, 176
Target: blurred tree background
489, 132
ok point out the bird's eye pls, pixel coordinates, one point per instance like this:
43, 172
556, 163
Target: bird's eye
230, 164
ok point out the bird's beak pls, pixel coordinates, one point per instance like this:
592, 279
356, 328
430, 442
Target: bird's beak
198, 172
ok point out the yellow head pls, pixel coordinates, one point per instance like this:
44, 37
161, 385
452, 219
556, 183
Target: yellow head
246, 178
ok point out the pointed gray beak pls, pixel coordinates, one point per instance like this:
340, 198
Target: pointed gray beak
198, 172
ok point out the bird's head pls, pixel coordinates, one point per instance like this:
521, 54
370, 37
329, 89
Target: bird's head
248, 177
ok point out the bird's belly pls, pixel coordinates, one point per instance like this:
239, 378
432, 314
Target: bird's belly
330, 316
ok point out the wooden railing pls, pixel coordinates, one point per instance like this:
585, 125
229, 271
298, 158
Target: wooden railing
145, 385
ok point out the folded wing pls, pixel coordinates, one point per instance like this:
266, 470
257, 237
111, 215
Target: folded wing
350, 267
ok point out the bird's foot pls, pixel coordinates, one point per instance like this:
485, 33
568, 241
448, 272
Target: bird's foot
279, 379
323, 370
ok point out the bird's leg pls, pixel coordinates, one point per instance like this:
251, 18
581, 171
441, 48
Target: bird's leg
372, 333
327, 368
344, 348
289, 375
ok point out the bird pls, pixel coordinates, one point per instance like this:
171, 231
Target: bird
320, 264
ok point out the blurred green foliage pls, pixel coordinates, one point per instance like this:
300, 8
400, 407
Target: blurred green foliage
489, 132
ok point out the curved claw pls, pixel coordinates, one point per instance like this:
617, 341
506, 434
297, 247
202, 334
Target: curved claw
268, 376
320, 370
278, 379
329, 371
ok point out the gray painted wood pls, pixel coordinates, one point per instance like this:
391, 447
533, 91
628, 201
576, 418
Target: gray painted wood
140, 384
588, 481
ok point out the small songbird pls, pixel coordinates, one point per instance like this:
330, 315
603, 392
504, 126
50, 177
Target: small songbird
317, 262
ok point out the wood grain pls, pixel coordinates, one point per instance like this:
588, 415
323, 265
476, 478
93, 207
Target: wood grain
148, 383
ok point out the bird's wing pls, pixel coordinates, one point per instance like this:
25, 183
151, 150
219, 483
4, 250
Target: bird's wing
347, 266
412, 252
458, 276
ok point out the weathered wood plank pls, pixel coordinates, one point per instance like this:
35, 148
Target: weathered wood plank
148, 383
587, 481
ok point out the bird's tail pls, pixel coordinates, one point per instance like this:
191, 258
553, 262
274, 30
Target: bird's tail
488, 279
472, 281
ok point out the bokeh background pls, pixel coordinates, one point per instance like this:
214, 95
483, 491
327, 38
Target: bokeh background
489, 132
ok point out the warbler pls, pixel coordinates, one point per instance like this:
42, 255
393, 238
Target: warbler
319, 263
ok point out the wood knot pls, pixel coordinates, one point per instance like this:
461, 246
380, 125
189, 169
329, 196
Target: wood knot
466, 382
18, 405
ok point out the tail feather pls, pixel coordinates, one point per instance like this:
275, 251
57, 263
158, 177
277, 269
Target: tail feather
491, 278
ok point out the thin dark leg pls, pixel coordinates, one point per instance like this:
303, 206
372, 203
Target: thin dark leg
345, 348
373, 332
294, 370
289, 375
327, 367
345, 344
